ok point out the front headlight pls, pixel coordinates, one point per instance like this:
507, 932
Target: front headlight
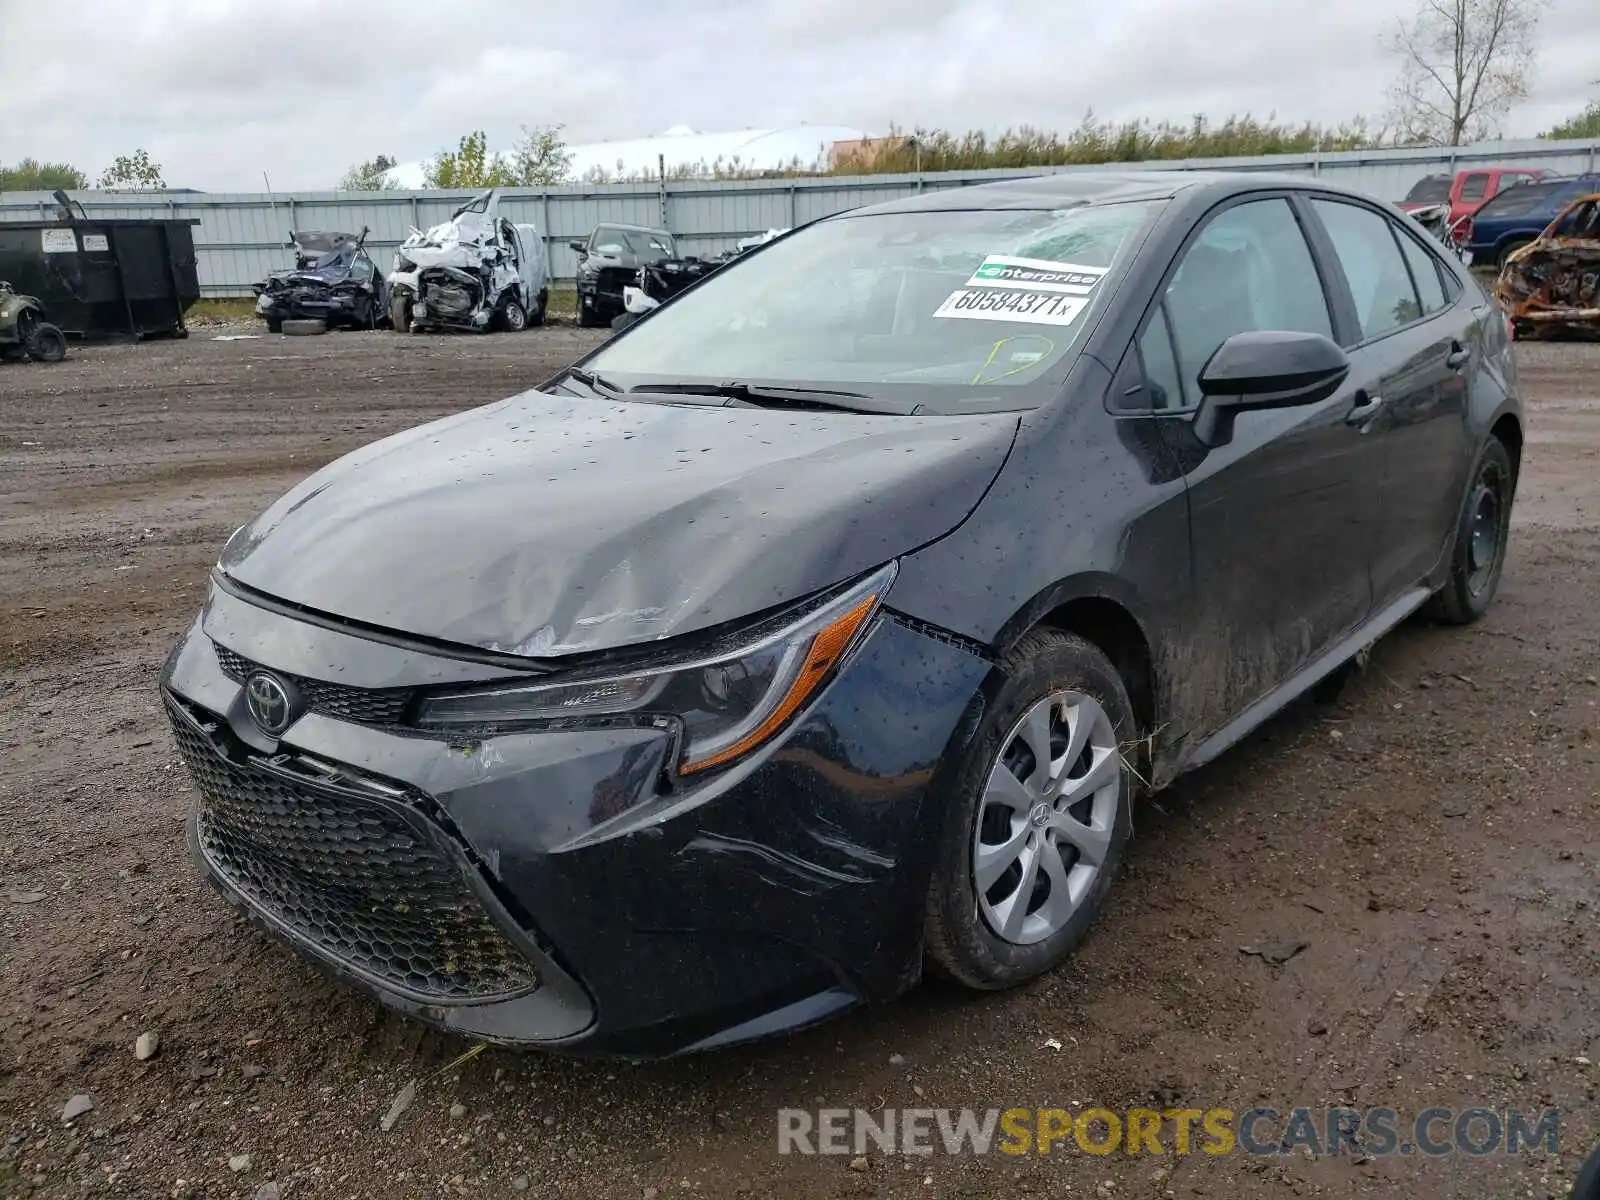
727, 703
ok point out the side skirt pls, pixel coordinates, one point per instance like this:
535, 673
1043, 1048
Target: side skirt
1306, 678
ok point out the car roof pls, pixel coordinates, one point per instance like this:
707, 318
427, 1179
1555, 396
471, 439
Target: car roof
1100, 187
630, 228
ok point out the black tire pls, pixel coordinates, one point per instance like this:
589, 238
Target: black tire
1509, 249
622, 320
511, 316
587, 317
1475, 563
536, 317
274, 324
45, 343
400, 312
959, 942
1587, 1185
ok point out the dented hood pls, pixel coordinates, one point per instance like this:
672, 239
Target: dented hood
547, 524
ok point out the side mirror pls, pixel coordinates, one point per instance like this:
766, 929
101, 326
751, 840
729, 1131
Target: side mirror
580, 247
1265, 369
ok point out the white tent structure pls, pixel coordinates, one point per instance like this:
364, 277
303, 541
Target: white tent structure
682, 147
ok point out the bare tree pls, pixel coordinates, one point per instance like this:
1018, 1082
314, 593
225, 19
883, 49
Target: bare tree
1464, 63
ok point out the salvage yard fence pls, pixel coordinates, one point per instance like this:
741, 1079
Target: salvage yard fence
243, 236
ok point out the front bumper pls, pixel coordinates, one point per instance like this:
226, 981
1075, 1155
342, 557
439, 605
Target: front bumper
556, 887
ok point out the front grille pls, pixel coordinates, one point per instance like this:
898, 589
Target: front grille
367, 706
359, 877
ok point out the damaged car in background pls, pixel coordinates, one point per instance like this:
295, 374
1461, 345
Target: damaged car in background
476, 271
1551, 286
333, 280
658, 282
820, 630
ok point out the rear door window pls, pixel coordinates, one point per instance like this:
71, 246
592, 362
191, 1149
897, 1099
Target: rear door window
1424, 273
1373, 266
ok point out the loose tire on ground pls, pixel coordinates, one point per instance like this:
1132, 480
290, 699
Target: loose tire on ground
304, 328
1482, 531
45, 343
1082, 695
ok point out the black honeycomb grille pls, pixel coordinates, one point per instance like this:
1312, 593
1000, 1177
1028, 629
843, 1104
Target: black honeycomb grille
366, 706
358, 878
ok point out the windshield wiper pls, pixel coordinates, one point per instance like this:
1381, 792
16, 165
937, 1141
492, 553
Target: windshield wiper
762, 395
589, 379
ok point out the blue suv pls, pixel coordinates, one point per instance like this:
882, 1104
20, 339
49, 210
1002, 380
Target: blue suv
1514, 217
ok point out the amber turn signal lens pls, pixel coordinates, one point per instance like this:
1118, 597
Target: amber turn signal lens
824, 653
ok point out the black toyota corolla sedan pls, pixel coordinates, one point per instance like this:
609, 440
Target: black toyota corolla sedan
818, 631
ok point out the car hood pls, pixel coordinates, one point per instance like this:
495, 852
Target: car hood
545, 524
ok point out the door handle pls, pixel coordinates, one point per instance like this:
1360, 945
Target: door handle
1366, 408
1458, 357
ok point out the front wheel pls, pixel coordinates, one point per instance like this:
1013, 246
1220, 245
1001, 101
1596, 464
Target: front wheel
400, 312
513, 317
45, 343
1511, 248
1039, 820
1481, 536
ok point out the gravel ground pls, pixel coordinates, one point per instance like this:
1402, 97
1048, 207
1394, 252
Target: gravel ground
1429, 836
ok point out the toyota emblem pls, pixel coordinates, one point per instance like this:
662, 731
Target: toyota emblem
268, 701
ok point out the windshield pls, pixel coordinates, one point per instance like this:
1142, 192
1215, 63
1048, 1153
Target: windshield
1435, 189
317, 242
888, 301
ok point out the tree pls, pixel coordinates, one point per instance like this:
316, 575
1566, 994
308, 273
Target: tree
541, 158
1463, 63
1585, 125
469, 165
132, 172
31, 175
371, 176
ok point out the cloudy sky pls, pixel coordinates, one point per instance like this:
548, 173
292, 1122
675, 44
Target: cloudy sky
221, 90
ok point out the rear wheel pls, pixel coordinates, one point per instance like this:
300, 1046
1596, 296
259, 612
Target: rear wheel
536, 317
587, 317
1481, 537
1039, 820
45, 343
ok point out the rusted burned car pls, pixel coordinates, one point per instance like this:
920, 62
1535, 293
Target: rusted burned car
1552, 285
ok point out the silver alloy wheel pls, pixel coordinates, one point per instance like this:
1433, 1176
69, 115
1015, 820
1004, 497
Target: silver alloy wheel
1046, 817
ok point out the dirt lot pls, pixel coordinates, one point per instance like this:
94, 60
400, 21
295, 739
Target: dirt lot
1430, 836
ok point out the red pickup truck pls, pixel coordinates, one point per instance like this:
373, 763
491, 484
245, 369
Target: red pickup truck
1466, 191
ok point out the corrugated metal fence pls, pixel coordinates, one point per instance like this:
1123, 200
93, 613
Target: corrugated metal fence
241, 236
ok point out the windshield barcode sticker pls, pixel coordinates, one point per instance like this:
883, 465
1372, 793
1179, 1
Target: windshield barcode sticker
1036, 275
991, 304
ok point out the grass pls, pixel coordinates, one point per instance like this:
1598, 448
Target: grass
563, 304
